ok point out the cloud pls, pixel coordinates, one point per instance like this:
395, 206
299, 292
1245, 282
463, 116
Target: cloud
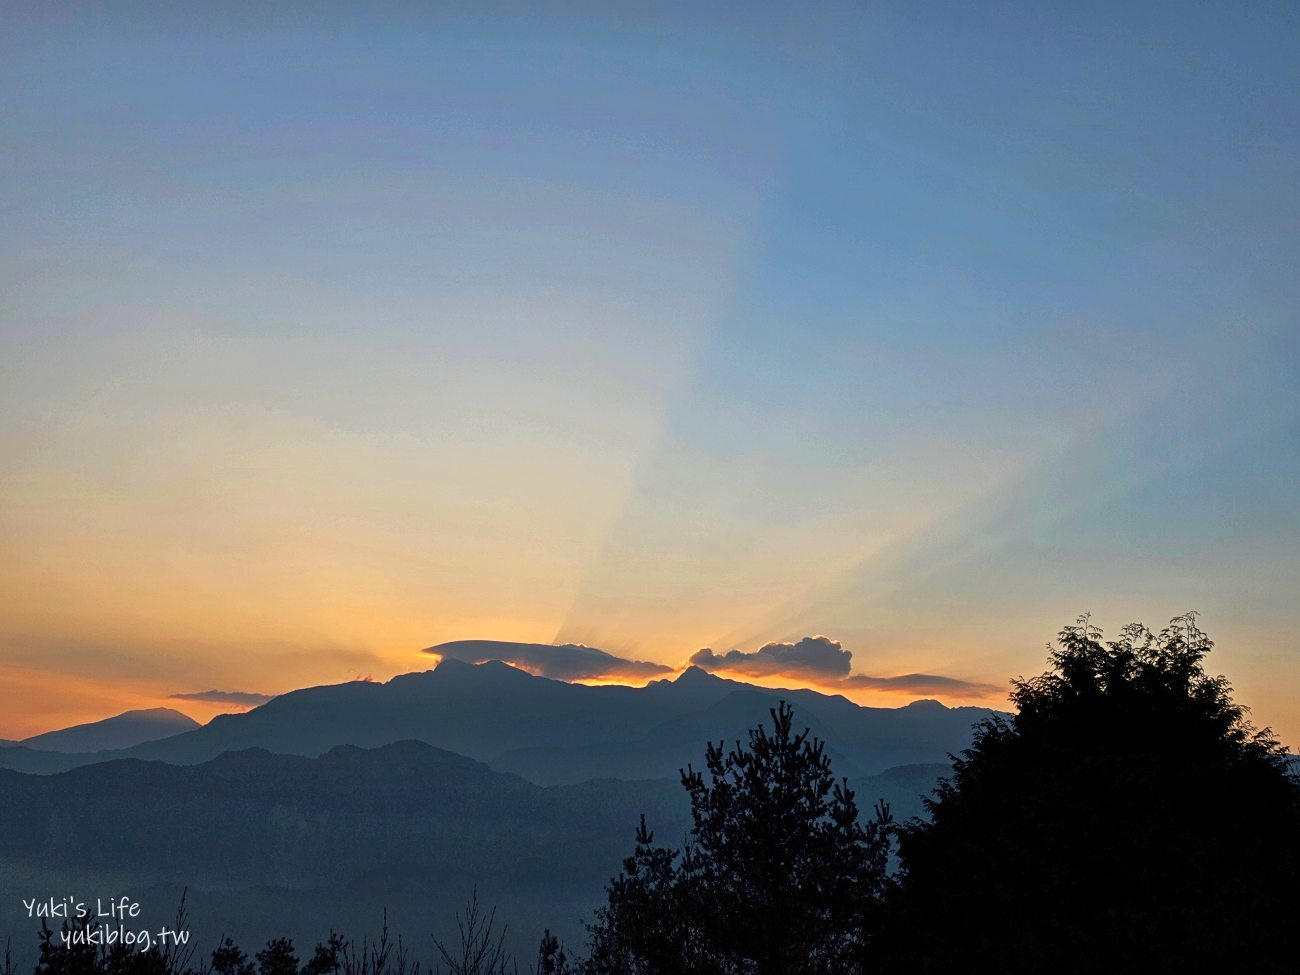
821, 660
813, 657
248, 698
568, 661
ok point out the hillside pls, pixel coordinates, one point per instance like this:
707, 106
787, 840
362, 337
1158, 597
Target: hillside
271, 844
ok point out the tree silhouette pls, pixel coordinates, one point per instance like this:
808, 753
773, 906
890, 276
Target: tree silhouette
482, 943
779, 875
328, 957
552, 959
1127, 817
228, 959
277, 958
63, 954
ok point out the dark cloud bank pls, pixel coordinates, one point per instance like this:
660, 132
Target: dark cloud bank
823, 660
816, 659
568, 661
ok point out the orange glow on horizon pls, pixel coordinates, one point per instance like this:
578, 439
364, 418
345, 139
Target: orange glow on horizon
53, 700
867, 697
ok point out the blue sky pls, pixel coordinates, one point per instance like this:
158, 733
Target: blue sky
329, 336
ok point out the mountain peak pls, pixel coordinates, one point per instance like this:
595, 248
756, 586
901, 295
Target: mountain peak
446, 665
927, 704
495, 671
693, 675
120, 731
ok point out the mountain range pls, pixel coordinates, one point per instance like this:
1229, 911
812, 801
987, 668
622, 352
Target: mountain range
270, 845
548, 731
327, 805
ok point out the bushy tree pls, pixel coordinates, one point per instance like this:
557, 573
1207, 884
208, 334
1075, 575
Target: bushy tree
1127, 817
779, 875
328, 957
228, 959
277, 958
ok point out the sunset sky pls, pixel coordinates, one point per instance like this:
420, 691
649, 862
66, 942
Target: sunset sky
926, 327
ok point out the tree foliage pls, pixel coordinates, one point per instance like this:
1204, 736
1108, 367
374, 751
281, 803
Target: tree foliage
779, 874
1127, 817
277, 958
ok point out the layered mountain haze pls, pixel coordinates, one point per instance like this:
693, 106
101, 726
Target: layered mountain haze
272, 844
548, 731
326, 805
269, 844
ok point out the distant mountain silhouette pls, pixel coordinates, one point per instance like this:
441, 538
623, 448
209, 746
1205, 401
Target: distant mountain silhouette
281, 844
121, 731
548, 731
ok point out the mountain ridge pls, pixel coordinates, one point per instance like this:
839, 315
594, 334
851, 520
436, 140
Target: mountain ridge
549, 731
271, 844
123, 730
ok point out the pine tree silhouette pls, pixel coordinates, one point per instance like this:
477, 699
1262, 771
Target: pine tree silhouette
778, 877
277, 958
227, 959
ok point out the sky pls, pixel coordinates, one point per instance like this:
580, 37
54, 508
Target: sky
904, 331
